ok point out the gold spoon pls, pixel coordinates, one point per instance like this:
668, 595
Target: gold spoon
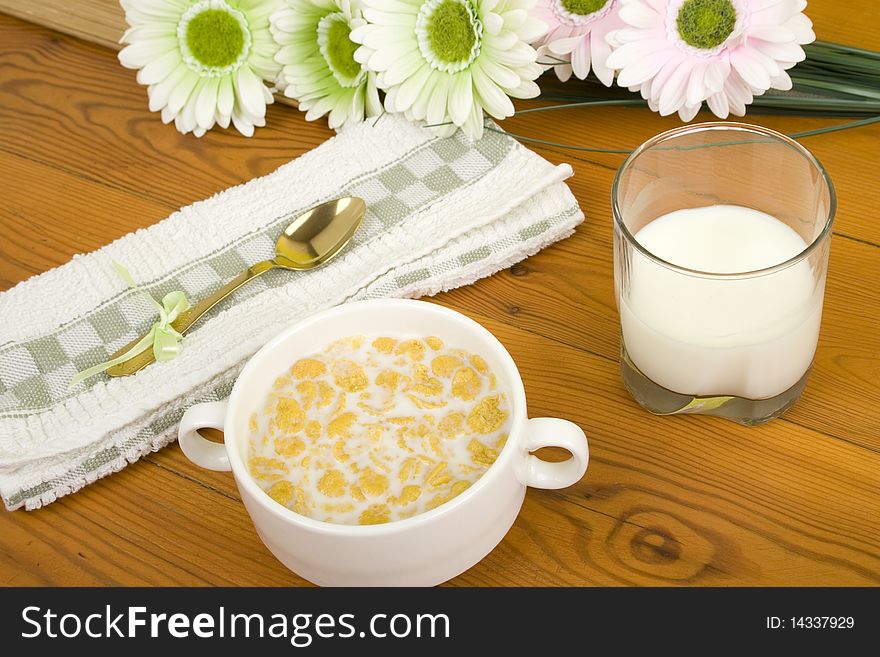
309, 242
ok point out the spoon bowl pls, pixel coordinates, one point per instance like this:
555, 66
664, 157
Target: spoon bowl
315, 236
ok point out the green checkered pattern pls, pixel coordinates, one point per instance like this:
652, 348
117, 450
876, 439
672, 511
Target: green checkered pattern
34, 374
162, 429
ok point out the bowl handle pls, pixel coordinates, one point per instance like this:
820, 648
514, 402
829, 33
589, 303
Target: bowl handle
199, 450
553, 432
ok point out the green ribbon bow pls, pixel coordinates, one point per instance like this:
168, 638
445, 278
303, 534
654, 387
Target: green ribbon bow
163, 338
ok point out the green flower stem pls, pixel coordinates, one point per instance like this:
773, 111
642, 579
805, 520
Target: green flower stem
591, 149
835, 86
544, 142
835, 128
834, 80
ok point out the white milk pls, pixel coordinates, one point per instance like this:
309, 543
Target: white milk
377, 428
751, 338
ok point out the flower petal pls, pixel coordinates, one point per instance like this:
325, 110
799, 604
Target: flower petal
719, 105
802, 28
599, 51
521, 55
782, 52
159, 69
636, 52
772, 33
461, 98
473, 124
782, 82
159, 93
358, 102
409, 90
715, 74
501, 75
688, 112
248, 91
751, 68
225, 96
674, 92
526, 89
696, 89
167, 115
437, 105
373, 104
206, 103
491, 97
580, 59
419, 108
640, 70
378, 17
242, 124
492, 23
138, 55
530, 31
639, 15
400, 69
565, 46
180, 94
341, 109
185, 121
563, 72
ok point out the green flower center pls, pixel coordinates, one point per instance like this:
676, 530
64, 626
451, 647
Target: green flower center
449, 33
706, 24
214, 38
583, 7
338, 49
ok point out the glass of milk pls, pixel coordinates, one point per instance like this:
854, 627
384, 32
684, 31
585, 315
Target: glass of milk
721, 238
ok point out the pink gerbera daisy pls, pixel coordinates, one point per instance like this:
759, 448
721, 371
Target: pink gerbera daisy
576, 37
680, 53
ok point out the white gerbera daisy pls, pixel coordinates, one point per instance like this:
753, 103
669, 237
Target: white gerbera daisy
577, 36
204, 61
680, 53
320, 71
446, 61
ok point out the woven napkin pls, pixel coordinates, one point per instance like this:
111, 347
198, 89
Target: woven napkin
441, 212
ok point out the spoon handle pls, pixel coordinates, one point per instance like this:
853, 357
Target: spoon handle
183, 323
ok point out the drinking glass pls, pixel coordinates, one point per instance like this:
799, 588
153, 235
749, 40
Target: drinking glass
737, 344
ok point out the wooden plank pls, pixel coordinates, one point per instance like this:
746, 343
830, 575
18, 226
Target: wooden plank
842, 398
666, 500
98, 21
92, 117
70, 105
566, 293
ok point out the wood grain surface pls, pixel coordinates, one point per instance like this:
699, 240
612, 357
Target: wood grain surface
666, 501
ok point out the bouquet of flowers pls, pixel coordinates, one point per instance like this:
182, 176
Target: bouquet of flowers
449, 63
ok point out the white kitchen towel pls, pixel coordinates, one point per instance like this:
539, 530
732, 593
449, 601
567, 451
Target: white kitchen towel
441, 212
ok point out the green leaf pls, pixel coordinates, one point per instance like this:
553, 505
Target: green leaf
704, 404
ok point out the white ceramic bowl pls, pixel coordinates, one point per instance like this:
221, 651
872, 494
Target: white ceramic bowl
422, 550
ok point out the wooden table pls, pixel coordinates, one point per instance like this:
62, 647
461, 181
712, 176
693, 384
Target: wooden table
680, 500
